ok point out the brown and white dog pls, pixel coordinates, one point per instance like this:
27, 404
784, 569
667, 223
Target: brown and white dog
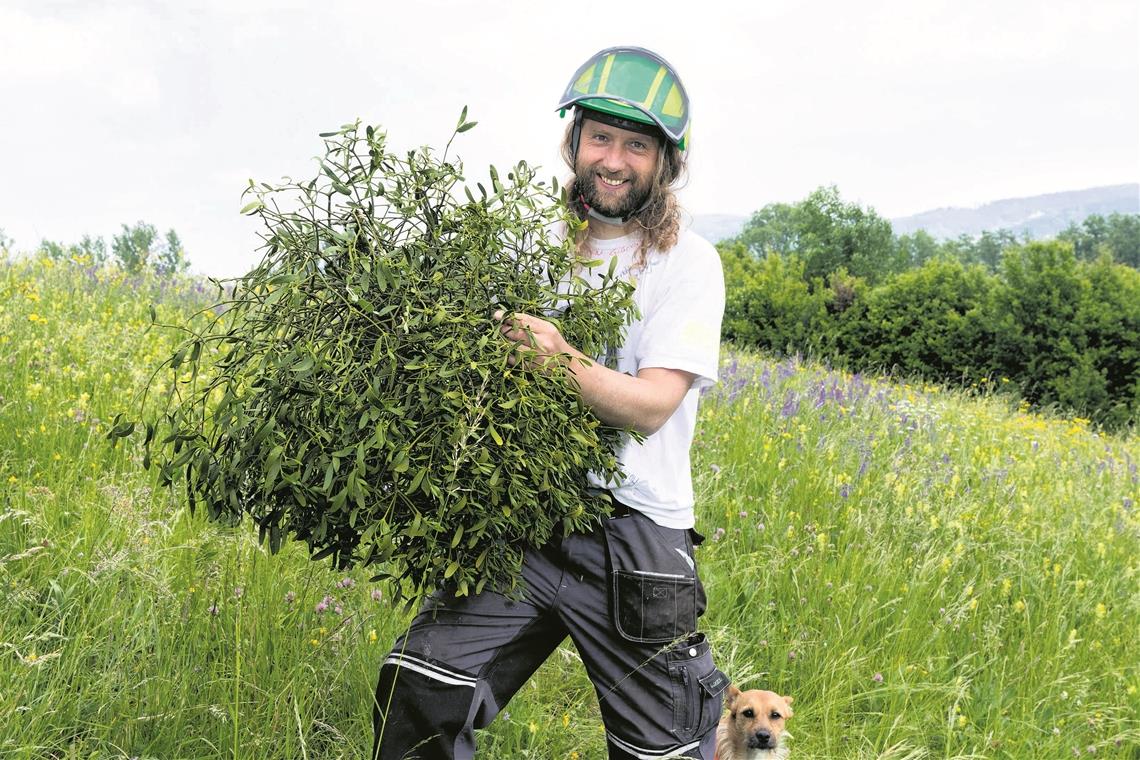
753, 727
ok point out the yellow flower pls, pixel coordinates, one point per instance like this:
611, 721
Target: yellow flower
973, 604
565, 720
961, 721
1101, 610
533, 727
13, 479
314, 642
372, 636
1019, 606
1006, 586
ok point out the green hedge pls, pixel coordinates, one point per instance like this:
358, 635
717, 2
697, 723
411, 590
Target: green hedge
1065, 332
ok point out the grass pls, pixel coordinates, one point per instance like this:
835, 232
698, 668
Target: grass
930, 574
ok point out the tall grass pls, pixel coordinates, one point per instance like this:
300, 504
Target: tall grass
930, 574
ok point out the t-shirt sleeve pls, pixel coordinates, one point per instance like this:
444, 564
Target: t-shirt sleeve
681, 329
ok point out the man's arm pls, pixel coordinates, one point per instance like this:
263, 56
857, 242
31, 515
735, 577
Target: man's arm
642, 403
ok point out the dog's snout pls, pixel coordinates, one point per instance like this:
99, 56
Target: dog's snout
762, 739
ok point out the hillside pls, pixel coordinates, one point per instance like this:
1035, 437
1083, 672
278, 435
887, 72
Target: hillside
930, 574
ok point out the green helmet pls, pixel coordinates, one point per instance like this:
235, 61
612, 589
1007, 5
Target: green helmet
635, 84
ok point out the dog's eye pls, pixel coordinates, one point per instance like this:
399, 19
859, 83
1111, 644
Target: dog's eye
749, 713
775, 715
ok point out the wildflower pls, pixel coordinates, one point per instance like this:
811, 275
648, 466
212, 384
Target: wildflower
239, 592
377, 595
372, 636
718, 534
346, 583
760, 527
961, 721
742, 514
290, 597
213, 609
877, 678
533, 727
1019, 606
315, 642
791, 655
338, 610
322, 606
565, 720
1006, 586
1101, 610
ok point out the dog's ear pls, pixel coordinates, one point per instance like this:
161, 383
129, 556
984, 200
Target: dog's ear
730, 698
788, 701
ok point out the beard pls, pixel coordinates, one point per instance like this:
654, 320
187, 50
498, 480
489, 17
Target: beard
635, 196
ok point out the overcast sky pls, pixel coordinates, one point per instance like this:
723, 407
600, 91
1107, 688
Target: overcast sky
114, 112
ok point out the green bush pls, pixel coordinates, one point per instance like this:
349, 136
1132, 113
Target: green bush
768, 303
930, 322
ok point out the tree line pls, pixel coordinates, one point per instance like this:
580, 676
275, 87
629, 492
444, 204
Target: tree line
137, 248
1056, 320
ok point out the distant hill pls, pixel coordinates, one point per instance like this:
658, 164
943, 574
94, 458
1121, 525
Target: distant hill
717, 227
1040, 216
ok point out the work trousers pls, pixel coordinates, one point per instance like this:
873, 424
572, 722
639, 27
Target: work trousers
628, 596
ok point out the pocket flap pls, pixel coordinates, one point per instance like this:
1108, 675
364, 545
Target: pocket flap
714, 683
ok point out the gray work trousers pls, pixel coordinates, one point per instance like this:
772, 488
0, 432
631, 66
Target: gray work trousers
628, 596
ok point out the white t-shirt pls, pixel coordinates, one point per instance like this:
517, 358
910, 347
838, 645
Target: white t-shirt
680, 298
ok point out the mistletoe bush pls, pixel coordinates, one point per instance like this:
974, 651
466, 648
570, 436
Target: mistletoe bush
354, 391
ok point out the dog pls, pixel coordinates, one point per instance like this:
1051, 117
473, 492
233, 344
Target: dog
753, 727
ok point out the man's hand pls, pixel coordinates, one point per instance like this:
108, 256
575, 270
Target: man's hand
643, 403
538, 340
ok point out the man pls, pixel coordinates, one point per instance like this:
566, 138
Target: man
627, 593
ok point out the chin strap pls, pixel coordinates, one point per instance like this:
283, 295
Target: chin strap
617, 221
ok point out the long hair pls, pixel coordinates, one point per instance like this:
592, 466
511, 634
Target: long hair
660, 219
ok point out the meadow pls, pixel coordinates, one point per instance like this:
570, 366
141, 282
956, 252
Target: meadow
930, 573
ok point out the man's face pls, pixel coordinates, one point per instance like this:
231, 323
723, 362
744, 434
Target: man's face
614, 167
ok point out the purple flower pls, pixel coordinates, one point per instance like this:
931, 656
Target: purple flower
718, 534
376, 595
877, 678
324, 604
290, 597
338, 610
239, 592
743, 514
845, 490
346, 583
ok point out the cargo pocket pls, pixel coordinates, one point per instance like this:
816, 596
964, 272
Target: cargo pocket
655, 597
698, 688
